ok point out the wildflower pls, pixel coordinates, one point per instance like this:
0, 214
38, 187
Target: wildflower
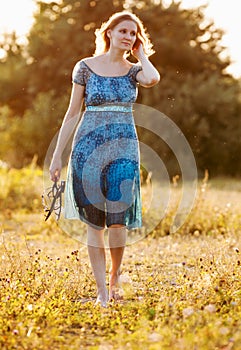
154, 337
188, 311
210, 308
30, 307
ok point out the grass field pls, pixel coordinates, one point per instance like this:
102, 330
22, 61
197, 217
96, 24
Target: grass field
181, 290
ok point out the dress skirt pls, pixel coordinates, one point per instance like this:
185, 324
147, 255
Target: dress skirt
103, 178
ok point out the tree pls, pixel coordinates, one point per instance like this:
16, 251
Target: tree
62, 34
195, 91
13, 75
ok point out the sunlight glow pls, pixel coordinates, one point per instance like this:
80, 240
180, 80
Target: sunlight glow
226, 15
16, 16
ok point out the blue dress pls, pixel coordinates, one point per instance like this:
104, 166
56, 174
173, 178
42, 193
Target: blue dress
103, 178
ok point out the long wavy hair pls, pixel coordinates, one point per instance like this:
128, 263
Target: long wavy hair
103, 42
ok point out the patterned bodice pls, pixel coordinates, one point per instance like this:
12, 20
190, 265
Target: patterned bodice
102, 89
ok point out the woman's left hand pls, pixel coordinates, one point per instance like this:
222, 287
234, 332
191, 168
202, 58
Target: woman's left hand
138, 52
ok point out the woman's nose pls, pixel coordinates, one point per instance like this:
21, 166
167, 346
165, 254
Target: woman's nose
128, 36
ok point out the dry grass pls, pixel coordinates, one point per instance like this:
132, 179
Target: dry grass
182, 291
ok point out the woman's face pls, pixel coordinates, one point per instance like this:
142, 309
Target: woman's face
123, 35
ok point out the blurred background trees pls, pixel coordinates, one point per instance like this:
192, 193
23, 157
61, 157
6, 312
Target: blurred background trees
195, 92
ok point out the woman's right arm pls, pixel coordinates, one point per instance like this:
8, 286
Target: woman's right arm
70, 119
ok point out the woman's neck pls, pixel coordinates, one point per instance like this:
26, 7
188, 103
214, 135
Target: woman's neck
115, 56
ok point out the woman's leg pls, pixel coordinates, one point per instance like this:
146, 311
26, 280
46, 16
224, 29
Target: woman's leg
96, 251
117, 242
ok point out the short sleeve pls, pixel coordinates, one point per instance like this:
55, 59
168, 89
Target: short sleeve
136, 68
79, 74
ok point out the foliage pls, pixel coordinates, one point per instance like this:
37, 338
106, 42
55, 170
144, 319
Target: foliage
30, 132
195, 90
20, 189
13, 74
206, 109
61, 35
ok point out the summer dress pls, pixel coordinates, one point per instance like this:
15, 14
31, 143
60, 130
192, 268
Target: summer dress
103, 178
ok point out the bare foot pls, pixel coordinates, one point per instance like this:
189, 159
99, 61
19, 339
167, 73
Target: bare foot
115, 292
102, 298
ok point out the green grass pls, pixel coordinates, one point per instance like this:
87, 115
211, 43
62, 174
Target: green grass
181, 291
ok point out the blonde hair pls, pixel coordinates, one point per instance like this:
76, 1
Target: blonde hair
103, 42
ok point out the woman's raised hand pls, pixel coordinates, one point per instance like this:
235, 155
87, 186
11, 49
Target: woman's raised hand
138, 52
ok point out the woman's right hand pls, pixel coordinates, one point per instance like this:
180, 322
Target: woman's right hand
55, 169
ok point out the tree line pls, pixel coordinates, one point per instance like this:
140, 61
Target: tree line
195, 90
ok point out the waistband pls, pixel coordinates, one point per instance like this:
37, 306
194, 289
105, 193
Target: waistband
110, 108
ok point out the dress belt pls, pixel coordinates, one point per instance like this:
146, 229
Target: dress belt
109, 108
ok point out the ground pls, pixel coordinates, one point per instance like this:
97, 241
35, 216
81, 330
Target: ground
181, 290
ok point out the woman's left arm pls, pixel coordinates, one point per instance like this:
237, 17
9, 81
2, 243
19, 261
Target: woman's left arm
148, 76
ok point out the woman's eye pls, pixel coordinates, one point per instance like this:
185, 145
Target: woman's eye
124, 31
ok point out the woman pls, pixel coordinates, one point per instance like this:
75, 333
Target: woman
103, 181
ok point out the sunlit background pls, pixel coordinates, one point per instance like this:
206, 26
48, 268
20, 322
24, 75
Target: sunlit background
17, 15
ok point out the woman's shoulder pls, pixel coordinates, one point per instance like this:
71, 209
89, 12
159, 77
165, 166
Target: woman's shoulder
90, 65
100, 59
82, 62
135, 68
91, 61
80, 72
81, 66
